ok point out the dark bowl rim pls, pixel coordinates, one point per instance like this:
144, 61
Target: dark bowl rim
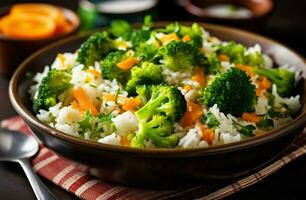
69, 12
163, 152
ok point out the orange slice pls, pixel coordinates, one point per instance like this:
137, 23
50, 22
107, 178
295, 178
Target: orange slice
27, 26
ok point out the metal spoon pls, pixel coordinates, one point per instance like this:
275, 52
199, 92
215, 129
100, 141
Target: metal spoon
17, 147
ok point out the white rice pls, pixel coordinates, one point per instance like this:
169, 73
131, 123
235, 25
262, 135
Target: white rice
125, 123
253, 50
113, 139
293, 103
268, 61
172, 78
64, 61
193, 139
262, 106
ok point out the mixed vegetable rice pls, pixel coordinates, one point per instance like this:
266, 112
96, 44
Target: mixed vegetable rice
170, 87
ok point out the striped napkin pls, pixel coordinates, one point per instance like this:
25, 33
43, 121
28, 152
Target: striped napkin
74, 179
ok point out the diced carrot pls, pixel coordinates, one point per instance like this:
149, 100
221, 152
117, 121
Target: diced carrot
187, 87
251, 117
258, 92
199, 76
75, 105
27, 26
124, 141
223, 57
169, 37
94, 72
127, 63
131, 104
84, 101
193, 113
208, 134
109, 97
264, 83
246, 68
186, 38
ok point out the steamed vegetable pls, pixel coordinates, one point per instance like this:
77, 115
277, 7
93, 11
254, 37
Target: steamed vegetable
181, 56
232, 91
171, 87
237, 54
146, 74
282, 78
165, 104
111, 70
194, 32
95, 48
55, 83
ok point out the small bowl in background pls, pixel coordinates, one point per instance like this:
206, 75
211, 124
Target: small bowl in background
240, 13
13, 50
97, 14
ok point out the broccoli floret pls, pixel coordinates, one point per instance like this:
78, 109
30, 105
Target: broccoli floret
165, 104
111, 71
159, 129
95, 48
120, 28
232, 91
195, 32
180, 56
234, 51
254, 59
214, 64
147, 52
55, 83
147, 74
137, 36
166, 100
282, 78
237, 54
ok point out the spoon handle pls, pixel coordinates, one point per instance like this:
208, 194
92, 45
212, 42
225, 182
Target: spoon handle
40, 190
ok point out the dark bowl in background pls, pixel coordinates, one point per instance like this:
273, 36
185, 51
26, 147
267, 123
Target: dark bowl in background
162, 167
14, 51
260, 11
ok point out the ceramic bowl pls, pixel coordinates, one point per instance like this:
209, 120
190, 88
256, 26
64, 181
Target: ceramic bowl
244, 14
162, 167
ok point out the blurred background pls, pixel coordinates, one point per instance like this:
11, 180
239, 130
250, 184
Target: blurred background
282, 20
